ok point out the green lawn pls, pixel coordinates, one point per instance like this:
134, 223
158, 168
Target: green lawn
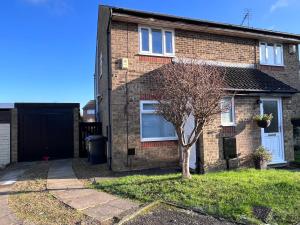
227, 194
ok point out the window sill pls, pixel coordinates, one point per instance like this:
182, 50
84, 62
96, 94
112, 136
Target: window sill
158, 139
228, 125
262, 64
159, 144
277, 162
156, 55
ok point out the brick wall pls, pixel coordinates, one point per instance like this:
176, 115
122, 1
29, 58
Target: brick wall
287, 107
215, 47
133, 83
88, 117
246, 132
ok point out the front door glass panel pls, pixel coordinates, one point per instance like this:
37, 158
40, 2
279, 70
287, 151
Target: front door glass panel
271, 107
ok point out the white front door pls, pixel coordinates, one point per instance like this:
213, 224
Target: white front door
188, 128
272, 136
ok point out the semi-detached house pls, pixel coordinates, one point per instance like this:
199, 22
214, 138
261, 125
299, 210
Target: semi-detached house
262, 76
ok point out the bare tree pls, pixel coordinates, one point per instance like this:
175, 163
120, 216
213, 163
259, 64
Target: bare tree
185, 89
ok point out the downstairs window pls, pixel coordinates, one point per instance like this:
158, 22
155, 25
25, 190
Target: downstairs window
227, 116
153, 126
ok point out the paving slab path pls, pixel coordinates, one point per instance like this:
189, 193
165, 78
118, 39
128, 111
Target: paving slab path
64, 185
7, 217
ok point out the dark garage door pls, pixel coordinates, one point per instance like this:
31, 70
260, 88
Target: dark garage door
45, 131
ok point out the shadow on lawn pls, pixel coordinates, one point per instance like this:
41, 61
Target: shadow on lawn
149, 181
84, 170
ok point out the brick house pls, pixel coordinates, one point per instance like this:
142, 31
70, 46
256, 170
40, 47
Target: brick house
88, 112
262, 76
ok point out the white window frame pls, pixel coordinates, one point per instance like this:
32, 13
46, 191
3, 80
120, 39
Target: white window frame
142, 111
227, 124
89, 110
266, 53
150, 42
299, 52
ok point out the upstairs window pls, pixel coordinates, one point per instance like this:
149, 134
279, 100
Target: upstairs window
156, 41
90, 112
153, 126
271, 54
227, 115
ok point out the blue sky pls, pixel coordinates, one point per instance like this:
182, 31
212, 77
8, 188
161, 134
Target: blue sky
47, 47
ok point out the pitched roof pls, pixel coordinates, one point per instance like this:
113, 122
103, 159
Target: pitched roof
254, 80
90, 105
205, 23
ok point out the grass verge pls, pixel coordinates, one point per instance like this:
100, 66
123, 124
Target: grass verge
227, 194
32, 203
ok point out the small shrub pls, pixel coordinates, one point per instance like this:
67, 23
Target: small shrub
261, 154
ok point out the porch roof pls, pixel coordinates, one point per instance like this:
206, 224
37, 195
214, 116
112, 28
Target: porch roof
254, 80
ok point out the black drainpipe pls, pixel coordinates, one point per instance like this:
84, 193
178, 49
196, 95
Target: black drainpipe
109, 88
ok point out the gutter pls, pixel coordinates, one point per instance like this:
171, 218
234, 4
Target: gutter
262, 91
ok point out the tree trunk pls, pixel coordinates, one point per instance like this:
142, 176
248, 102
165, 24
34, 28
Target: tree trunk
186, 164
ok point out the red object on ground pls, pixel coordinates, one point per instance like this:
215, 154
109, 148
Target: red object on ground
45, 158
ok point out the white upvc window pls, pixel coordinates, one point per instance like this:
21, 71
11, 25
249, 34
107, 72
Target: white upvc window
228, 112
90, 111
156, 41
271, 54
153, 126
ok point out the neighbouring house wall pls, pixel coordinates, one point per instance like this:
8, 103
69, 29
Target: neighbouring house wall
289, 74
130, 86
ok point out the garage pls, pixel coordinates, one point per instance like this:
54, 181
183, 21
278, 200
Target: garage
47, 130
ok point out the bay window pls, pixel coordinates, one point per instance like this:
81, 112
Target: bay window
227, 114
153, 126
156, 41
271, 54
